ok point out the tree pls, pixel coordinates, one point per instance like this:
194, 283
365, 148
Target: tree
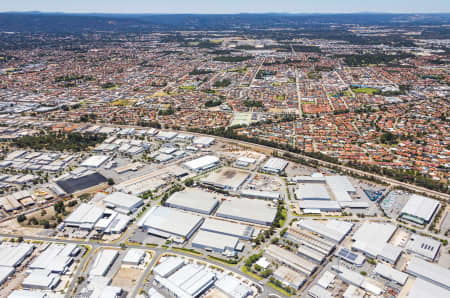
189, 182
21, 218
111, 181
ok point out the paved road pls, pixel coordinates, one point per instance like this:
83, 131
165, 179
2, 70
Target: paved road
157, 252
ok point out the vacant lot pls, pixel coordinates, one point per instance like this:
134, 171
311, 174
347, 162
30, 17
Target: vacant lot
126, 278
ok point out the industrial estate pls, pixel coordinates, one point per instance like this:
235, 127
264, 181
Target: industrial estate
212, 163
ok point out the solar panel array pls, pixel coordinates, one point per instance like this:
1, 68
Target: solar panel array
347, 254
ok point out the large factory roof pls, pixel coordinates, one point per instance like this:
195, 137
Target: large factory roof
85, 215
429, 271
420, 207
206, 239
226, 178
255, 211
312, 191
123, 201
228, 228
168, 220
331, 231
275, 165
202, 163
193, 199
372, 237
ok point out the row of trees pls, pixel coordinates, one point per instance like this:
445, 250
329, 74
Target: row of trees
60, 141
407, 176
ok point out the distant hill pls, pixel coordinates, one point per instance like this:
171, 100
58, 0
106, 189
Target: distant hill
36, 22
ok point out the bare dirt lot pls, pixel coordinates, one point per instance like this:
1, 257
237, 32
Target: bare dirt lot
126, 278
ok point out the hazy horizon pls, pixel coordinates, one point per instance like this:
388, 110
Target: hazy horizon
226, 7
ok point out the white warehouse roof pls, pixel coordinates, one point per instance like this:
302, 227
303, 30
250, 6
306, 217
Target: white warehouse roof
215, 241
123, 201
391, 273
275, 165
422, 288
202, 163
193, 200
228, 228
86, 215
105, 258
312, 191
170, 222
94, 161
429, 272
372, 237
420, 207
332, 230
254, 211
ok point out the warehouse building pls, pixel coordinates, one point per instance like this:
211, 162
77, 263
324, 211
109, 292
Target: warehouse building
5, 273
123, 203
168, 266
188, 281
372, 240
228, 228
89, 217
419, 209
319, 205
347, 255
203, 141
56, 258
248, 210
264, 195
274, 165
289, 277
233, 287
12, 255
430, 272
103, 262
170, 223
311, 254
28, 294
341, 188
81, 183
291, 260
85, 216
41, 279
139, 185
166, 135
391, 273
227, 179
215, 242
425, 247
356, 279
245, 162
134, 257
95, 161
314, 178
332, 230
195, 200
312, 192
203, 163
422, 288
302, 237
317, 291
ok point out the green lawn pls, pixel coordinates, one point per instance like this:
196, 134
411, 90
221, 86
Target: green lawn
244, 269
283, 291
369, 91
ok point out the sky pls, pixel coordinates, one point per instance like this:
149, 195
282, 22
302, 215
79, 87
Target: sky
226, 6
